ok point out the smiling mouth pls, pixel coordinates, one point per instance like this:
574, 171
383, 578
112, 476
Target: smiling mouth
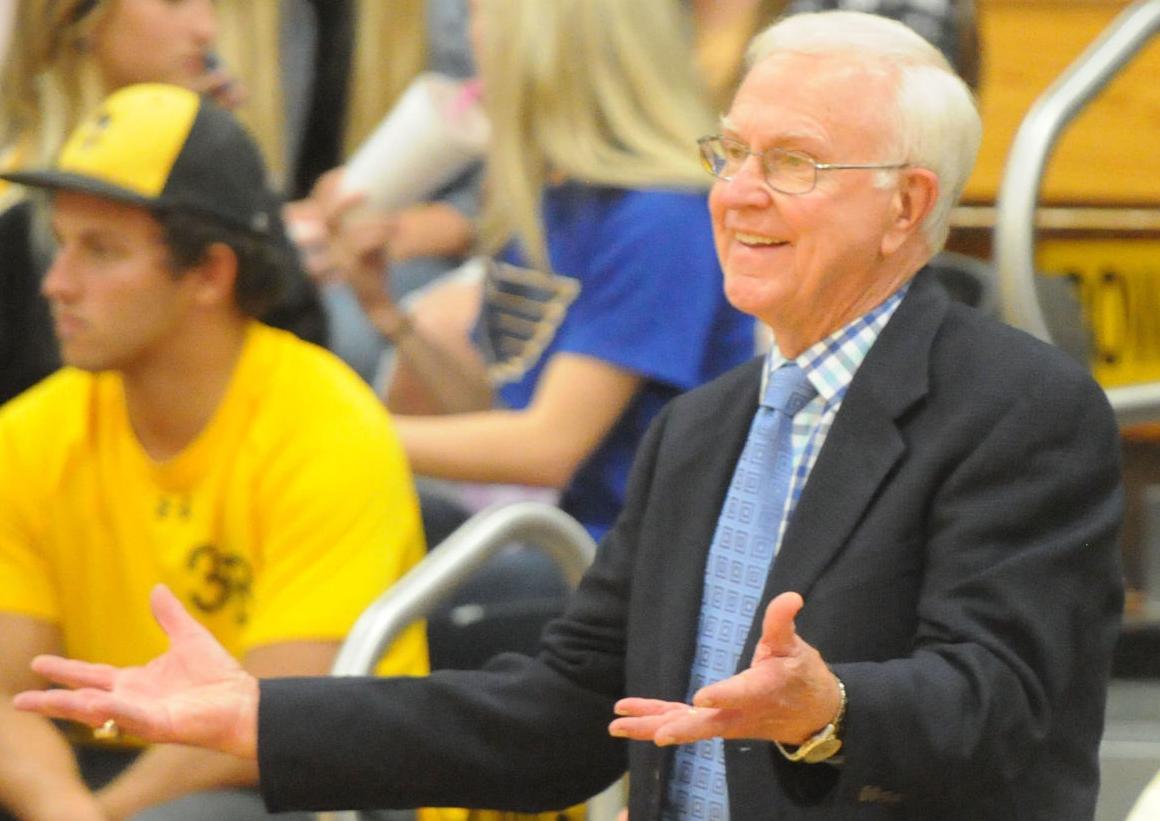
757, 240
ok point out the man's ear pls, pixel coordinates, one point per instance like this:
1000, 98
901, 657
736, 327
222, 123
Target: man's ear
216, 275
913, 200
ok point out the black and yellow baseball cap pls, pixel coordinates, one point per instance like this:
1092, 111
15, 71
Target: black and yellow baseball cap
164, 147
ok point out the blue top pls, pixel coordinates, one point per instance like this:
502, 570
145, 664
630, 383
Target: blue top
635, 283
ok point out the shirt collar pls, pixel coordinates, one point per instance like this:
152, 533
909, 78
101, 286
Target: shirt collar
830, 364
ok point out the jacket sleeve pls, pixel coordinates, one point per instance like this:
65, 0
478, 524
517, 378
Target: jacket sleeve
523, 734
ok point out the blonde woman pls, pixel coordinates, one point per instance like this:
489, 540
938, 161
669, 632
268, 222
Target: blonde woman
393, 43
602, 297
722, 30
70, 53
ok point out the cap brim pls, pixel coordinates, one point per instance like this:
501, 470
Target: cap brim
63, 181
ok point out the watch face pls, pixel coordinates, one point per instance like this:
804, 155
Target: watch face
824, 749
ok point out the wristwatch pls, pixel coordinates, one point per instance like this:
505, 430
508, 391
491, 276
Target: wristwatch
824, 744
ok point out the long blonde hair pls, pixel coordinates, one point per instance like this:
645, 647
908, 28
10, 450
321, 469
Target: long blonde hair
721, 42
602, 92
248, 42
48, 82
389, 50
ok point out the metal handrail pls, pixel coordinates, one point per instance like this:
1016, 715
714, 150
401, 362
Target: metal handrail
1030, 151
449, 565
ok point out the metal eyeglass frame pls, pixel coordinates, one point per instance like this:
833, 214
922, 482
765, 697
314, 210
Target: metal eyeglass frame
709, 156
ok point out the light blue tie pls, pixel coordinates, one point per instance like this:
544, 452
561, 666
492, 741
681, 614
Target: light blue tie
738, 564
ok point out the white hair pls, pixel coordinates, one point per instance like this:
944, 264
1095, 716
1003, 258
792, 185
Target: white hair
937, 121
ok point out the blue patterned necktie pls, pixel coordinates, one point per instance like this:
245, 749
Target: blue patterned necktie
738, 564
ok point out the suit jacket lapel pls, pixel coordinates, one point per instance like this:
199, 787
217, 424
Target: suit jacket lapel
863, 444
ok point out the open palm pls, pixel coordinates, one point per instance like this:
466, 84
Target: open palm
786, 694
195, 693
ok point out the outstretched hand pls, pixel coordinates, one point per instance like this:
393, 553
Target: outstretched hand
787, 694
196, 693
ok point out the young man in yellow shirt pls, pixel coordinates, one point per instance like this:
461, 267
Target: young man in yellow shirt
183, 443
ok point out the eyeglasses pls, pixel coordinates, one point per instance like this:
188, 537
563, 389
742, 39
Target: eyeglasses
790, 172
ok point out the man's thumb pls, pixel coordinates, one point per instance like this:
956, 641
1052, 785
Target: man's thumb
777, 628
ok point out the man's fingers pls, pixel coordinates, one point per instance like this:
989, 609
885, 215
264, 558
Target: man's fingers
91, 707
646, 706
74, 673
637, 729
663, 722
642, 718
74, 705
687, 726
172, 615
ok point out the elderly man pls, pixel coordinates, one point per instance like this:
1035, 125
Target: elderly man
896, 596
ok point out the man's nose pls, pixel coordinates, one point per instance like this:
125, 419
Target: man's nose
748, 187
59, 283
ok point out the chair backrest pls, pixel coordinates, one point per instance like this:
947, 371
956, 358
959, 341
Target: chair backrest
974, 282
502, 607
966, 279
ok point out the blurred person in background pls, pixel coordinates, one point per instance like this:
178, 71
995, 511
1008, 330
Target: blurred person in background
7, 10
601, 296
384, 47
68, 55
723, 28
320, 74
186, 442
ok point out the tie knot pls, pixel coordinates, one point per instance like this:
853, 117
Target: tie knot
788, 389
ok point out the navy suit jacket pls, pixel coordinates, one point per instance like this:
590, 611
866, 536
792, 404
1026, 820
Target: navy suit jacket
955, 547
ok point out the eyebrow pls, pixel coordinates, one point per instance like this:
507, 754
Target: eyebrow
798, 136
88, 233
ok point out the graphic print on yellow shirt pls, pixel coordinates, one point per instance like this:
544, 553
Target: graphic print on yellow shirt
287, 515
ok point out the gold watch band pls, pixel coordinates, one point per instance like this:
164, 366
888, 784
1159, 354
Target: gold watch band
824, 744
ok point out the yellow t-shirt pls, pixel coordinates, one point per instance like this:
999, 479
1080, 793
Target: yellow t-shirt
287, 515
